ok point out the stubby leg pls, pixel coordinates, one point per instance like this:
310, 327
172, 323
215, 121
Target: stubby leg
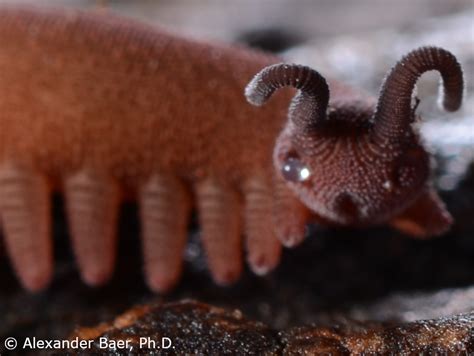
25, 206
164, 213
290, 216
263, 247
92, 207
426, 217
219, 215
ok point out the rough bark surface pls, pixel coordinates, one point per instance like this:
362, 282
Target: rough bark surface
200, 329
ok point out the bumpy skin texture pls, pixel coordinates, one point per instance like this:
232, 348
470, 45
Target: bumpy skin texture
355, 163
105, 109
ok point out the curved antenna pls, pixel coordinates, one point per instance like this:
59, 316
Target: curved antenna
394, 113
309, 105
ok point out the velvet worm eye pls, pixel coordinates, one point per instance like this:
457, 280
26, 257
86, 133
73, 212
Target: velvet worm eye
295, 171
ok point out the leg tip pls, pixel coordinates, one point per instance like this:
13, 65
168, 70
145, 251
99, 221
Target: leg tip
36, 282
227, 277
162, 283
291, 240
291, 236
96, 277
262, 265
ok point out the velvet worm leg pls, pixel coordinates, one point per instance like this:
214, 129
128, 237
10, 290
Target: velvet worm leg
219, 215
263, 247
25, 206
290, 216
426, 217
164, 213
92, 209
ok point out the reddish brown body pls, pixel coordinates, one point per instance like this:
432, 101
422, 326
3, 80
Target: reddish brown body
105, 109
101, 107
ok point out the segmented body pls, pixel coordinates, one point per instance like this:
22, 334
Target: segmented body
103, 109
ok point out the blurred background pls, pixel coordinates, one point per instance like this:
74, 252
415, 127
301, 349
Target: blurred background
374, 274
310, 19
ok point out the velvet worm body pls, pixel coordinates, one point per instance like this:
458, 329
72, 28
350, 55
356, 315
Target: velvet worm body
104, 109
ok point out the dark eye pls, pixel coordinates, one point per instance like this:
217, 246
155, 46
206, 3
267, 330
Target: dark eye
294, 170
